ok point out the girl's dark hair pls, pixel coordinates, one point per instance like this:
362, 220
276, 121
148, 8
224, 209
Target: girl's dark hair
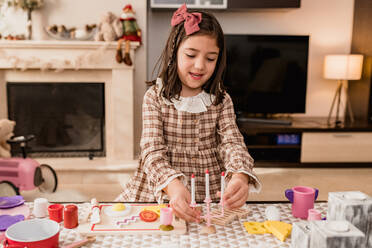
167, 63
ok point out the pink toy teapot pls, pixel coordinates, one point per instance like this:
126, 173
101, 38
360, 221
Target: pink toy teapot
302, 199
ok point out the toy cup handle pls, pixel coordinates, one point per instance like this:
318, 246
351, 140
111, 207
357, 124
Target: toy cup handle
289, 194
316, 193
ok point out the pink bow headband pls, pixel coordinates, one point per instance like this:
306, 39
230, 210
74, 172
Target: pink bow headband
191, 19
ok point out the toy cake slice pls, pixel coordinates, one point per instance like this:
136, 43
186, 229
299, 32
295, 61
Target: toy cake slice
255, 227
281, 230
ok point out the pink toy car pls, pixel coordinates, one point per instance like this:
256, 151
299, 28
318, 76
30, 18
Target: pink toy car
25, 173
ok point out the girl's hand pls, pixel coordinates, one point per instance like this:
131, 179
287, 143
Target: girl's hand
237, 191
179, 200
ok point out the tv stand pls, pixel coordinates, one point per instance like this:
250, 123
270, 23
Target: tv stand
308, 142
266, 121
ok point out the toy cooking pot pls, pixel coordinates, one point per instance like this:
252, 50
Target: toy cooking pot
302, 199
34, 233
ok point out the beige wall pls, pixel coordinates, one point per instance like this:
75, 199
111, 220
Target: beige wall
329, 24
78, 13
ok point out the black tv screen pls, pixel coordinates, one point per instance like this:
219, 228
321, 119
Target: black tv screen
267, 74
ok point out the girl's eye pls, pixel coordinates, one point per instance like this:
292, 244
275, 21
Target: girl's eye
211, 60
190, 55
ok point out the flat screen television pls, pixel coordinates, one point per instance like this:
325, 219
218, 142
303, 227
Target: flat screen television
267, 74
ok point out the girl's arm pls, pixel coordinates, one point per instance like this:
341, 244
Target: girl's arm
156, 163
232, 149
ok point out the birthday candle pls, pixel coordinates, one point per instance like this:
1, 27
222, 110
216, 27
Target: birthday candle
222, 183
192, 189
207, 184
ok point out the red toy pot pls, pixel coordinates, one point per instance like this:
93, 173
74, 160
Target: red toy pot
34, 233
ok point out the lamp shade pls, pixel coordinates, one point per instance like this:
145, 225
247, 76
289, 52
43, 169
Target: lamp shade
344, 67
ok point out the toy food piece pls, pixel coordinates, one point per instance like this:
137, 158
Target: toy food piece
118, 210
280, 229
166, 228
118, 207
155, 209
148, 216
255, 227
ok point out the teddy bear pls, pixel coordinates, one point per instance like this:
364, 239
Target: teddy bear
6, 132
109, 29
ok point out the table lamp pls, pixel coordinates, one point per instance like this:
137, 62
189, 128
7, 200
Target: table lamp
342, 67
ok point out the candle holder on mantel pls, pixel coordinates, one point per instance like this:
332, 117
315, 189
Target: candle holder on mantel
208, 228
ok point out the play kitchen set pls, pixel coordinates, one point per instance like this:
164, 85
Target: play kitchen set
348, 221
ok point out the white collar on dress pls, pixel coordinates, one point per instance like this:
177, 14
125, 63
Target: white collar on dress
192, 104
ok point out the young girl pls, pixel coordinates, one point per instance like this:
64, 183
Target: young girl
189, 124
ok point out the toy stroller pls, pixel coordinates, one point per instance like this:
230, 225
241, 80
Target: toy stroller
25, 173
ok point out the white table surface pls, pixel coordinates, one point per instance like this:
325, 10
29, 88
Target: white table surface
233, 235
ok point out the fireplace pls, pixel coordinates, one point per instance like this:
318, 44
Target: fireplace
39, 64
66, 118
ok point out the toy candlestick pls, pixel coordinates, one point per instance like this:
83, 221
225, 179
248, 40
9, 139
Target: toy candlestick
222, 192
193, 189
222, 184
207, 196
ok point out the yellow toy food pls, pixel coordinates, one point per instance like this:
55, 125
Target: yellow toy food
280, 229
155, 209
118, 207
255, 227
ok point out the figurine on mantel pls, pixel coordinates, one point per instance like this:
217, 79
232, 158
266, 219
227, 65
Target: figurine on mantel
131, 32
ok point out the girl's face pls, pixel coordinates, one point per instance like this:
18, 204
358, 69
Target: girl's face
196, 60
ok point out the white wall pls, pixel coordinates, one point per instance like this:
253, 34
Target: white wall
78, 13
329, 24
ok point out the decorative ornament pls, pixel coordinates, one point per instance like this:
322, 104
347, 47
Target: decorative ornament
57, 64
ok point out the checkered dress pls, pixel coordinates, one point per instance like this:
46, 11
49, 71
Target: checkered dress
179, 143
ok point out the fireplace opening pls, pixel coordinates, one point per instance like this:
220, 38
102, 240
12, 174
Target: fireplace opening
68, 119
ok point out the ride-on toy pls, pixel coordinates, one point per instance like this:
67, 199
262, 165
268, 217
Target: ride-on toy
17, 174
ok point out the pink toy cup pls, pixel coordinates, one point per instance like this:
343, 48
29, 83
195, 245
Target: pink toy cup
166, 216
302, 199
314, 214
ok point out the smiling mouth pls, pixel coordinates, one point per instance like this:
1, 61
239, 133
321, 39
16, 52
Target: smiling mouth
196, 75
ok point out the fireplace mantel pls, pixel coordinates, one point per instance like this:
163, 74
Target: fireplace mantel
34, 54
78, 61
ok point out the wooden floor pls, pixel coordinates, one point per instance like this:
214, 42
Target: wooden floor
274, 182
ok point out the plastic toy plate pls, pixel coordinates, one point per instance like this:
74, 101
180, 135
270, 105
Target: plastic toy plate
10, 202
8, 220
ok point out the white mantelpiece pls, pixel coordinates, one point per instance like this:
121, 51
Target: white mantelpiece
77, 61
